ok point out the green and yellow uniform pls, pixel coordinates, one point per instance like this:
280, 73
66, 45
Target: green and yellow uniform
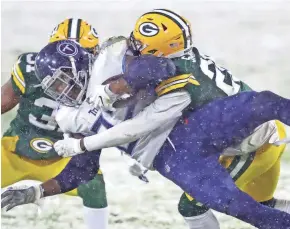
27, 146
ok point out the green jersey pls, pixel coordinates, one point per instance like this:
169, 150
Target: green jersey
34, 123
202, 78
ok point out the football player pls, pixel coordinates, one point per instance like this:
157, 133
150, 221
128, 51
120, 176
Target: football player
221, 81
27, 146
185, 78
257, 173
182, 164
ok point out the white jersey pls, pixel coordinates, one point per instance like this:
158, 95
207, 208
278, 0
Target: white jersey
88, 120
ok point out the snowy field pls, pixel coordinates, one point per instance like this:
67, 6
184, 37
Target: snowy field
249, 37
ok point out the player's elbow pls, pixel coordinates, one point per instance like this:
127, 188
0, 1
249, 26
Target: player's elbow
8, 98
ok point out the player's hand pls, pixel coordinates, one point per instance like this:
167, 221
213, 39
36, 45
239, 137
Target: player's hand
136, 169
68, 147
102, 98
19, 195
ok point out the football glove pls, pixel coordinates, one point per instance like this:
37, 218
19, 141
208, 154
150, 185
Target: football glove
19, 195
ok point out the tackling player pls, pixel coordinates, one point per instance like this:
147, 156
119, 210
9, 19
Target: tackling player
203, 145
137, 50
270, 189
27, 146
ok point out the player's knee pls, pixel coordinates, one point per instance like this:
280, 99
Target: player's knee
93, 193
189, 208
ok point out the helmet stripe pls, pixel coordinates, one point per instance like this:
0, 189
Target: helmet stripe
69, 28
182, 19
79, 24
73, 30
180, 22
175, 21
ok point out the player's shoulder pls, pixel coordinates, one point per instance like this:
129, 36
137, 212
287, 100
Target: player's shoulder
27, 58
24, 64
22, 71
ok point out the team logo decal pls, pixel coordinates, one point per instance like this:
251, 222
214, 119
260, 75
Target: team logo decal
94, 33
148, 29
41, 145
67, 48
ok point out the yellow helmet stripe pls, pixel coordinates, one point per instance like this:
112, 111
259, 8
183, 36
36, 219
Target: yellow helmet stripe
180, 22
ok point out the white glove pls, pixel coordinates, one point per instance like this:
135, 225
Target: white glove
68, 147
102, 98
281, 142
136, 169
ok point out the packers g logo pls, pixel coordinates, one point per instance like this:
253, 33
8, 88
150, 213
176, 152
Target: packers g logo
148, 29
41, 145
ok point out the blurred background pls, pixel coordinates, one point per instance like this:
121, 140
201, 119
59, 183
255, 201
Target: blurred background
251, 38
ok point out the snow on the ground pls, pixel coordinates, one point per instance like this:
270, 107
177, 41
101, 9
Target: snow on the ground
249, 37
133, 204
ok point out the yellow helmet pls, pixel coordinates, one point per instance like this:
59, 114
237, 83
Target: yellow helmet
161, 32
78, 30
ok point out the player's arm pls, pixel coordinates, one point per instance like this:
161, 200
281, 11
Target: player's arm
9, 99
13, 89
165, 109
144, 72
80, 169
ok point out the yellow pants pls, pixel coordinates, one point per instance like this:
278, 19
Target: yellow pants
15, 168
260, 179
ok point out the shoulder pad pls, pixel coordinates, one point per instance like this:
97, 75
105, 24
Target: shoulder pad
22, 68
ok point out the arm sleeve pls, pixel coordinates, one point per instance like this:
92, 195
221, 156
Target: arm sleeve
147, 71
80, 169
165, 108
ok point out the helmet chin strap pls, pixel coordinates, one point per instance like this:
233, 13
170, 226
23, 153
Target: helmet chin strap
73, 65
179, 53
76, 76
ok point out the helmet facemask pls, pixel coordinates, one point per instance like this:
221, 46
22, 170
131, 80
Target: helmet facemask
66, 86
136, 46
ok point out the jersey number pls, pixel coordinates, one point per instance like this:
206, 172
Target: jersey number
46, 122
222, 77
30, 63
